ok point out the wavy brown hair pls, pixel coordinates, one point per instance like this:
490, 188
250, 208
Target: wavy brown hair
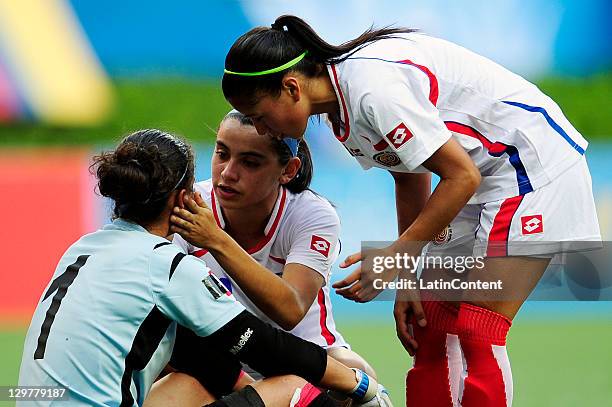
141, 173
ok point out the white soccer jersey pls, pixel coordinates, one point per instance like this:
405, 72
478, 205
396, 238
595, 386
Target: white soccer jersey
303, 229
402, 98
105, 325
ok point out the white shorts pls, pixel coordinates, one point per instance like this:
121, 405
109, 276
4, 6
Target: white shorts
558, 217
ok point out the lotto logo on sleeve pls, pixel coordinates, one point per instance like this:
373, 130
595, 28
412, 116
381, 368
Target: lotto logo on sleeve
399, 135
532, 224
320, 245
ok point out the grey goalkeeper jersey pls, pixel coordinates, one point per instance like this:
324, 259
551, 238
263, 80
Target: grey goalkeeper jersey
105, 324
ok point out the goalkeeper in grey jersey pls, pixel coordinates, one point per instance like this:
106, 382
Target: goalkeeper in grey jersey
105, 324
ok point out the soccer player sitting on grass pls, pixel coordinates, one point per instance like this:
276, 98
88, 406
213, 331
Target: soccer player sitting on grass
271, 240
106, 323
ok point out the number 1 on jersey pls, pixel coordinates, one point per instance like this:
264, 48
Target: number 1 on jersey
59, 286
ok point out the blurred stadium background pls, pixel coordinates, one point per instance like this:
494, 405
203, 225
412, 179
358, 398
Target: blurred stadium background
76, 75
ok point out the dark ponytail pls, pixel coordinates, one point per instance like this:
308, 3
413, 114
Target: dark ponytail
265, 48
302, 179
141, 173
321, 50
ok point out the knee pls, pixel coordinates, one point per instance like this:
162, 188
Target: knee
176, 389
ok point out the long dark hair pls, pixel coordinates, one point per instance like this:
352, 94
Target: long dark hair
269, 47
141, 173
302, 179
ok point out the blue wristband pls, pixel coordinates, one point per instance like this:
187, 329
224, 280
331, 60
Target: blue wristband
362, 387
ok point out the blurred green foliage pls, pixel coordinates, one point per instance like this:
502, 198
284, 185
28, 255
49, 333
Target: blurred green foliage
586, 102
189, 108
194, 108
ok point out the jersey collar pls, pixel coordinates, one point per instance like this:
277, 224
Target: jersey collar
271, 227
344, 116
124, 224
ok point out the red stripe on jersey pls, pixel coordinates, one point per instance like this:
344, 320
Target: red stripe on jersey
495, 148
347, 127
214, 206
268, 236
329, 337
433, 81
498, 236
277, 259
200, 253
279, 215
381, 145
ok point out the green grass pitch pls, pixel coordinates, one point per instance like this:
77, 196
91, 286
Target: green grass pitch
553, 363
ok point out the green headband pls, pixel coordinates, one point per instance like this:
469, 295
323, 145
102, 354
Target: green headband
289, 64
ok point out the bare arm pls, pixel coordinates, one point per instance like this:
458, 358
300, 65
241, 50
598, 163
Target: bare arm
294, 293
411, 194
459, 179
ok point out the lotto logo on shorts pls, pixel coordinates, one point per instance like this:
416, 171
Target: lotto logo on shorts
399, 135
532, 224
320, 245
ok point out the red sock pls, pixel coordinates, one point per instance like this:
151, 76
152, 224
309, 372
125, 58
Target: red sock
482, 334
435, 375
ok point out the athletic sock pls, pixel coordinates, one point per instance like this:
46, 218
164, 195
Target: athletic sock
488, 380
311, 396
436, 371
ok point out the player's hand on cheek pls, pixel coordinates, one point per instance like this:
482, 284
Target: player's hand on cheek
195, 222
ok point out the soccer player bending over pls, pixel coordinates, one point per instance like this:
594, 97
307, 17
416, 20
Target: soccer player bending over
514, 184
106, 323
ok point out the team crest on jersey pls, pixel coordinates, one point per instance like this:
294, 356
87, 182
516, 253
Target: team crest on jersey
399, 135
320, 245
387, 158
531, 225
444, 236
215, 287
